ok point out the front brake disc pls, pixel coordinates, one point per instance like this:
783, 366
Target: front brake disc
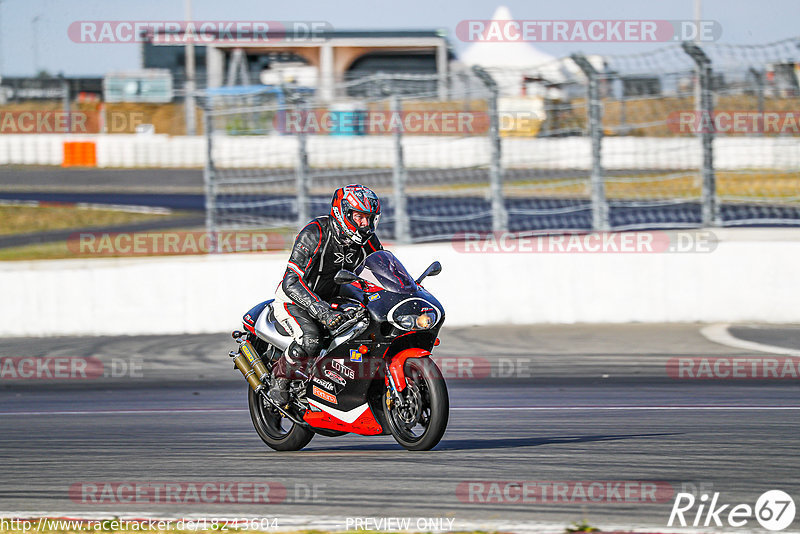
411, 409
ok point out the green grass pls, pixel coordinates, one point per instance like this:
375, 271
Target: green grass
580, 526
29, 219
744, 185
44, 251
279, 239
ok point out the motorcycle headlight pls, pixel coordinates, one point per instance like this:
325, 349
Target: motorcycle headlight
425, 321
422, 321
406, 321
414, 314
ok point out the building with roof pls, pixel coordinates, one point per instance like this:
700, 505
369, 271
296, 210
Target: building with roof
336, 55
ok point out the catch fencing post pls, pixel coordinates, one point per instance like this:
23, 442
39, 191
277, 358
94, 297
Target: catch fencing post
600, 221
302, 172
401, 226
710, 203
209, 175
65, 100
189, 111
758, 77
499, 215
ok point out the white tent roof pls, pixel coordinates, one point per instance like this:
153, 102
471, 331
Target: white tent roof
510, 61
504, 53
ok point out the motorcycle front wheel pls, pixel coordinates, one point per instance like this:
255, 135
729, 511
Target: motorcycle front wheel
419, 423
277, 431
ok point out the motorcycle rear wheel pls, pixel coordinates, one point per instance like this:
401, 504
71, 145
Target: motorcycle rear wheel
421, 424
277, 431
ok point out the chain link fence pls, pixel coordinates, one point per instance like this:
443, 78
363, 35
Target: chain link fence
756, 117
685, 136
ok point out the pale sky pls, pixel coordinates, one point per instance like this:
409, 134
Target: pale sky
742, 21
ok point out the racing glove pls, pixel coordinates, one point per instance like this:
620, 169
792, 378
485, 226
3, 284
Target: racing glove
332, 319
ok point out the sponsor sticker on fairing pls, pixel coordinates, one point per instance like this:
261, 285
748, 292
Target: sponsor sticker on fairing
339, 365
335, 377
355, 356
323, 395
324, 383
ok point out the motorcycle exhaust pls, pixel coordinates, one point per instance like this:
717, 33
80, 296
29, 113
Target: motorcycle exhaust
252, 356
243, 365
252, 361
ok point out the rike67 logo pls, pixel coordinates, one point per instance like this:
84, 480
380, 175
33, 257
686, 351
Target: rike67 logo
774, 510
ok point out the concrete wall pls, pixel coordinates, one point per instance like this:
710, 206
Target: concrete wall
750, 276
120, 150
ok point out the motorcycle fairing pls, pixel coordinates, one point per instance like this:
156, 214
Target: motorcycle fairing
359, 420
357, 377
397, 364
249, 319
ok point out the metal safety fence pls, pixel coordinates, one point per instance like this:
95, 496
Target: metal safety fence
685, 136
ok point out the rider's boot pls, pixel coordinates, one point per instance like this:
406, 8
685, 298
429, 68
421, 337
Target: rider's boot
289, 367
279, 382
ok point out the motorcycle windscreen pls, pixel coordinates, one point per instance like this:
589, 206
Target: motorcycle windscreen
383, 269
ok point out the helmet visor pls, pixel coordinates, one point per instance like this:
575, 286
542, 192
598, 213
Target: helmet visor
363, 222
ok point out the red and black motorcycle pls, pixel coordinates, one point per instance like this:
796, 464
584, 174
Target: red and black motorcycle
374, 376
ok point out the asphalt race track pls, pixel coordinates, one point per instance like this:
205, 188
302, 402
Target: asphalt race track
548, 403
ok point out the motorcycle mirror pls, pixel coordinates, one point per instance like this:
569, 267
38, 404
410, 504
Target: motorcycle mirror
345, 277
432, 270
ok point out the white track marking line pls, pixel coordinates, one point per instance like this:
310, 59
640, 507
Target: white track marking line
465, 408
719, 333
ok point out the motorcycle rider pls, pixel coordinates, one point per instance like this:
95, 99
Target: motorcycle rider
340, 240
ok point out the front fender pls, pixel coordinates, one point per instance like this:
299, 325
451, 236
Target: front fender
397, 362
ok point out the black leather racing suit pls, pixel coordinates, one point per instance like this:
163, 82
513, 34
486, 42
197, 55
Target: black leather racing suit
307, 287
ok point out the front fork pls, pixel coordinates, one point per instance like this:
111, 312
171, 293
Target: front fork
393, 395
395, 373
